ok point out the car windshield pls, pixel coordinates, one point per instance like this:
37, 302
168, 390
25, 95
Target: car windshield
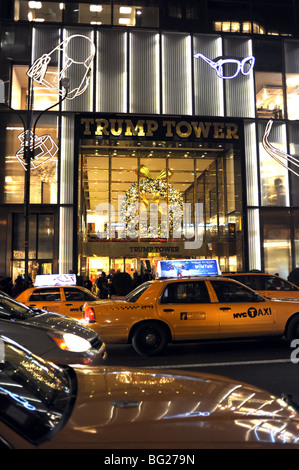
136, 293
36, 397
10, 308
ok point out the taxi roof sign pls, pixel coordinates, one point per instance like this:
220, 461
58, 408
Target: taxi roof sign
52, 280
188, 267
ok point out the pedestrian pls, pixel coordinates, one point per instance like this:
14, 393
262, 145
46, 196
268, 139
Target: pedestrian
102, 286
87, 284
19, 286
294, 276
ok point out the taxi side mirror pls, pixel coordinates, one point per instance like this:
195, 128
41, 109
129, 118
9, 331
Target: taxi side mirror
259, 298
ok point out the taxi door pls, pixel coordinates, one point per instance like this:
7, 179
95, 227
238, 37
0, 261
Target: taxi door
73, 301
242, 312
46, 298
185, 305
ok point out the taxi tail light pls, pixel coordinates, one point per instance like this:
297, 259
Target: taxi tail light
89, 315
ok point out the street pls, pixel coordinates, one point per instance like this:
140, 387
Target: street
264, 363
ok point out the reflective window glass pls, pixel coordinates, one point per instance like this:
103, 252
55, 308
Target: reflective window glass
227, 291
185, 293
44, 164
45, 236
38, 11
71, 293
276, 242
273, 175
292, 78
128, 14
45, 294
269, 95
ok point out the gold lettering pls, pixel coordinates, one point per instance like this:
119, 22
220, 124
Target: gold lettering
119, 124
137, 130
200, 127
179, 127
232, 131
102, 125
168, 125
218, 130
86, 123
152, 126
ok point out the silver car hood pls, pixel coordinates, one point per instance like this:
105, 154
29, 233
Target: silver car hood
56, 322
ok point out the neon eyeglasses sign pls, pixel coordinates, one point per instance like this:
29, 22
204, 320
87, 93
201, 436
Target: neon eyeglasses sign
233, 66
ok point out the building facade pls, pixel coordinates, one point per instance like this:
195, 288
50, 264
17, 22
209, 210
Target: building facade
158, 150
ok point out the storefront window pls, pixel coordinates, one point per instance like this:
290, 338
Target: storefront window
38, 11
44, 166
41, 244
124, 14
139, 201
269, 95
276, 242
42, 97
273, 175
268, 79
292, 78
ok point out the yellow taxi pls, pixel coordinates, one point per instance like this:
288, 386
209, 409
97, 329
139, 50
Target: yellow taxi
188, 309
269, 285
66, 300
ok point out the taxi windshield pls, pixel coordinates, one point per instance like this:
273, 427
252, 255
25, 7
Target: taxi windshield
9, 308
136, 293
36, 397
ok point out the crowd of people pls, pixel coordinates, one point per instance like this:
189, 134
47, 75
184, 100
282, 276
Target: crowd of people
104, 286
116, 283
14, 288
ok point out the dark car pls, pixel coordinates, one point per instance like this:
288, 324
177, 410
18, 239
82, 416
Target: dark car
52, 336
269, 285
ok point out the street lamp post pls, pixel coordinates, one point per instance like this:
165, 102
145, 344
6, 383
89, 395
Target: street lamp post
28, 157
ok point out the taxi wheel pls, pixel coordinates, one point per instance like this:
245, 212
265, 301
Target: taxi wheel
293, 329
149, 339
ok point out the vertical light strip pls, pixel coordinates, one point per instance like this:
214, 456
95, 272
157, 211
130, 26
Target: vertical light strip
126, 73
239, 92
67, 160
219, 45
208, 88
66, 195
129, 72
254, 243
162, 74
251, 84
65, 239
176, 73
111, 94
251, 163
189, 74
158, 72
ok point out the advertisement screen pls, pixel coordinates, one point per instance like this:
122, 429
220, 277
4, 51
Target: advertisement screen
188, 267
47, 280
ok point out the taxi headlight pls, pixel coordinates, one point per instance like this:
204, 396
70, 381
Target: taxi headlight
73, 343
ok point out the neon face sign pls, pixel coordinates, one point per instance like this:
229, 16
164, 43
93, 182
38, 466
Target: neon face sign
233, 66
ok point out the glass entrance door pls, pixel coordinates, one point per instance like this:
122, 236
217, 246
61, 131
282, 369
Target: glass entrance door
143, 200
